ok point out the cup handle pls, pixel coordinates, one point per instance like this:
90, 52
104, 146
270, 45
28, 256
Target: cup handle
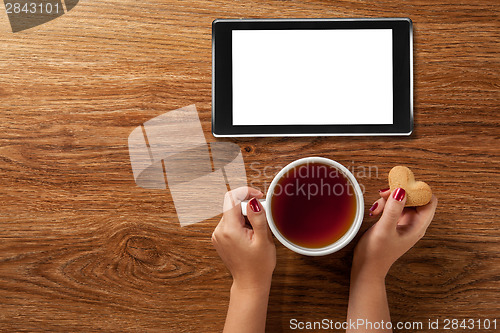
245, 202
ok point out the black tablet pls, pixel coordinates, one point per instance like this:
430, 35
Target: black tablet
299, 77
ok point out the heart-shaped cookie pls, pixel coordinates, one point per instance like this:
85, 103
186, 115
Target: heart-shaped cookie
417, 193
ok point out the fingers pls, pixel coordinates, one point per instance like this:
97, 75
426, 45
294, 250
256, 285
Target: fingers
385, 193
393, 209
234, 197
215, 241
232, 203
215, 233
214, 237
257, 217
378, 206
426, 213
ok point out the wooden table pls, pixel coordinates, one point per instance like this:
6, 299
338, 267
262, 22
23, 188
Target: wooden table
82, 248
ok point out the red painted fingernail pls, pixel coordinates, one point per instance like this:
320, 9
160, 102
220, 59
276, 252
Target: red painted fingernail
254, 205
375, 205
384, 189
399, 194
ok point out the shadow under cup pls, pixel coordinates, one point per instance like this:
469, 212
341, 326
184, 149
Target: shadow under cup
315, 206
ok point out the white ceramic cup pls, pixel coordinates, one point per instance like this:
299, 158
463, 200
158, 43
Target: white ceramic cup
337, 245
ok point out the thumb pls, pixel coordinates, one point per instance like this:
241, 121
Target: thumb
257, 218
393, 209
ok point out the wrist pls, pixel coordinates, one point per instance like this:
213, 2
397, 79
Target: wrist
262, 288
366, 271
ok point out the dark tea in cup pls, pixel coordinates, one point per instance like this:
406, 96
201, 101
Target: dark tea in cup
313, 204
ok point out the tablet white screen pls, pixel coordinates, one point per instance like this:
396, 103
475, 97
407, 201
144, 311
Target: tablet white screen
312, 77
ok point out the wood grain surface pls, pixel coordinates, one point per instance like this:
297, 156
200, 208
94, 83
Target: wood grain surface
82, 248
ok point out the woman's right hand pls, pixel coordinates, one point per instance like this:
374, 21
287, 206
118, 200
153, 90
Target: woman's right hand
248, 252
397, 230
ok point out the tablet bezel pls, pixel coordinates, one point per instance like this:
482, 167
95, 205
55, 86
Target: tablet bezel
222, 113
